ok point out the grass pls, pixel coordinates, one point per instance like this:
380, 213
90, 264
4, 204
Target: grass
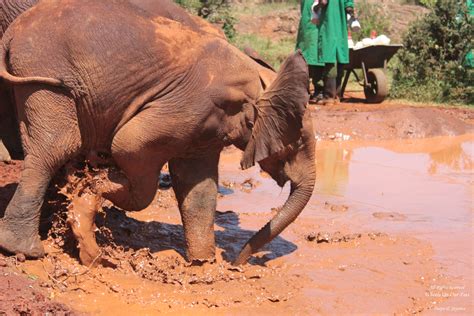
274, 52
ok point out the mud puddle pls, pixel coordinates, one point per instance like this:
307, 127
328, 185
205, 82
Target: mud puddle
423, 188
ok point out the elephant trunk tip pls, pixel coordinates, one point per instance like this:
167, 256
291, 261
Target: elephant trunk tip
299, 197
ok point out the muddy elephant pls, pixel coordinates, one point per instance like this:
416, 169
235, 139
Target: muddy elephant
11, 9
144, 91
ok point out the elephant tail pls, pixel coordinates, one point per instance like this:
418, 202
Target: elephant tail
14, 80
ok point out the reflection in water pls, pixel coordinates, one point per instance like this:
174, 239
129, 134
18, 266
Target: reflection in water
436, 156
457, 157
332, 168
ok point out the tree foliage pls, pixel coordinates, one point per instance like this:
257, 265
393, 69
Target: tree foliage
431, 67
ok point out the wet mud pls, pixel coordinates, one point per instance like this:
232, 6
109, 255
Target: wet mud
387, 231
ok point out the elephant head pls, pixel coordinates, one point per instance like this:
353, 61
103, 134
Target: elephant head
282, 142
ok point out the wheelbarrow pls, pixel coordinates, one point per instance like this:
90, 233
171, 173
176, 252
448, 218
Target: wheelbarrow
373, 62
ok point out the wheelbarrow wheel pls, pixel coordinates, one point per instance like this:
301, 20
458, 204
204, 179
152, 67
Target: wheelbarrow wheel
377, 88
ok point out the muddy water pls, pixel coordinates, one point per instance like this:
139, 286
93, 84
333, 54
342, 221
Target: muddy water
422, 187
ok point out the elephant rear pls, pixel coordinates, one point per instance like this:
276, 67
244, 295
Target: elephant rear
112, 61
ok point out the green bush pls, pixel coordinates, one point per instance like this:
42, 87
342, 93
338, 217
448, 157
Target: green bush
372, 16
430, 66
427, 3
215, 11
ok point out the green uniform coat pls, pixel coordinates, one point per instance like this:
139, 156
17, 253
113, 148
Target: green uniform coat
470, 7
307, 39
332, 44
469, 61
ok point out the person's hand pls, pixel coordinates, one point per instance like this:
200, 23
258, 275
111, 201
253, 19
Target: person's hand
352, 21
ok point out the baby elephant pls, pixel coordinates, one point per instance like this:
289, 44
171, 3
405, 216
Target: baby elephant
146, 91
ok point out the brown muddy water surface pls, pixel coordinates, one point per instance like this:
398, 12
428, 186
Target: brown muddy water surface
389, 230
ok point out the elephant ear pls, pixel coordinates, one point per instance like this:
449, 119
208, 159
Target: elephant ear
252, 53
280, 112
266, 72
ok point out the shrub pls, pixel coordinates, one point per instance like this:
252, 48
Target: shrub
215, 11
427, 3
430, 66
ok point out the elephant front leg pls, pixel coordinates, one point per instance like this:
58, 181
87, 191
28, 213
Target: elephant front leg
195, 185
139, 149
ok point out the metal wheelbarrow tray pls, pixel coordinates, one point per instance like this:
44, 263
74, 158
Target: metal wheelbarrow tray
373, 62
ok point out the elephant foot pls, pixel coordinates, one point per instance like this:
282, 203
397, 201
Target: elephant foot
201, 262
14, 242
81, 218
198, 257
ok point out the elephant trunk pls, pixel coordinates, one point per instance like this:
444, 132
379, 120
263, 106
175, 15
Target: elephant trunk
302, 185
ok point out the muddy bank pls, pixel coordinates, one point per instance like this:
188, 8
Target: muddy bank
389, 120
384, 233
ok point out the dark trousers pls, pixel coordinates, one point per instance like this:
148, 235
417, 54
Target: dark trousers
334, 71
316, 74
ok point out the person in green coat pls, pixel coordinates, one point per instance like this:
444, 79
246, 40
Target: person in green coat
333, 49
307, 41
469, 60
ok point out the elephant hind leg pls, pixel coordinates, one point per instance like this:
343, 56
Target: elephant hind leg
195, 185
50, 136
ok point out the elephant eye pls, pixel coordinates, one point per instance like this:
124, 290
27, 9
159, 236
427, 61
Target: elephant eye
250, 124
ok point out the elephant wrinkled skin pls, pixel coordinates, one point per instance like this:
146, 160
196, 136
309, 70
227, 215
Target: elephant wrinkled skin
146, 90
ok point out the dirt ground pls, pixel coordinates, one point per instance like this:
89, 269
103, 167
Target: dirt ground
282, 23
389, 120
386, 232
